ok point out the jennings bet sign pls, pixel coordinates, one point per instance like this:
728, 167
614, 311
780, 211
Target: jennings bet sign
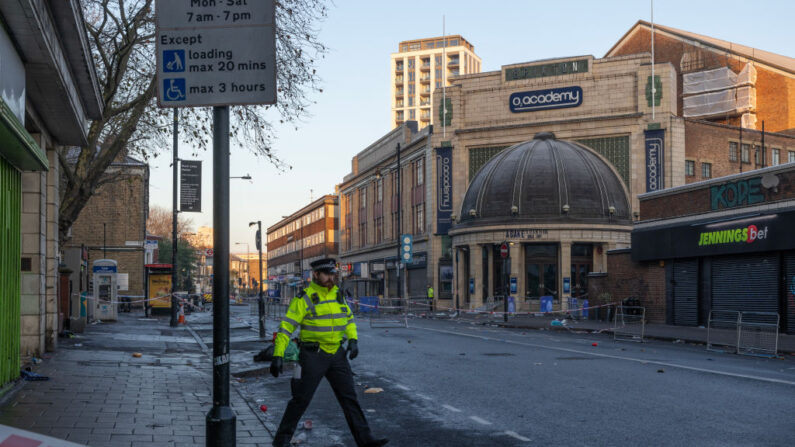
748, 234
553, 98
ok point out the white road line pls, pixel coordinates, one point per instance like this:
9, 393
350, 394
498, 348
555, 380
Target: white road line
451, 408
404, 388
513, 434
480, 420
620, 357
422, 396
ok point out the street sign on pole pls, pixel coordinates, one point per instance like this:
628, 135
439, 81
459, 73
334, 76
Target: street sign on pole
406, 248
504, 250
215, 52
190, 186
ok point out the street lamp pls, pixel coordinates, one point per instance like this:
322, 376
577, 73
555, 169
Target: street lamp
260, 302
245, 177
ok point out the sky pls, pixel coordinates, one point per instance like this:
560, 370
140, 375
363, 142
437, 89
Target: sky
354, 109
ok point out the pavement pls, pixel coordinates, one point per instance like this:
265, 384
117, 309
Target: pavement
99, 394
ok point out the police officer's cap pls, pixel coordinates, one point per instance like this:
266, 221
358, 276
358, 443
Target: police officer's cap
326, 265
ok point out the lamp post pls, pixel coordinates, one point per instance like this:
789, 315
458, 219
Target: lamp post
260, 301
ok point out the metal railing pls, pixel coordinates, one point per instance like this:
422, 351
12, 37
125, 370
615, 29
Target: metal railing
758, 334
722, 330
629, 323
745, 333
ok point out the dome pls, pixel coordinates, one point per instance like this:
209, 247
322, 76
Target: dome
545, 180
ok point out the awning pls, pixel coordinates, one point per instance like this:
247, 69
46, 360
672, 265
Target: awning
16, 144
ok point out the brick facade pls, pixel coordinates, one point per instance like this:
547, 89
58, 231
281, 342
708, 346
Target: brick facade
626, 279
122, 205
707, 142
775, 88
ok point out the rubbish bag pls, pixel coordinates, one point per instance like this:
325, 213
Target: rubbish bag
265, 355
291, 353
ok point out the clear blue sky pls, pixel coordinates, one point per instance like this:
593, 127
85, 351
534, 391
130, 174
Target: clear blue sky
353, 110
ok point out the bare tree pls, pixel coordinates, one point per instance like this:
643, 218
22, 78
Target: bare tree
122, 35
160, 221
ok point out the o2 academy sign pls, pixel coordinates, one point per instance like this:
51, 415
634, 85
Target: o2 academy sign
553, 98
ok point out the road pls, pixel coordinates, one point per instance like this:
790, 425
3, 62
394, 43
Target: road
459, 383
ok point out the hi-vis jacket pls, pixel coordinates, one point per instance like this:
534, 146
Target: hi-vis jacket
322, 319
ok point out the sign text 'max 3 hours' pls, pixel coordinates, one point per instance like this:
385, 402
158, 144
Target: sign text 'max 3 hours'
215, 52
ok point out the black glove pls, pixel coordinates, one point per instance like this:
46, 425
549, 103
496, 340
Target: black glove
277, 364
353, 348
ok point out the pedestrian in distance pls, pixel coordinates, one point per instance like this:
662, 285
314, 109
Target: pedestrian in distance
325, 320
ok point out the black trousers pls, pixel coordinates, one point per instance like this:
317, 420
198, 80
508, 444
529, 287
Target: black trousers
336, 369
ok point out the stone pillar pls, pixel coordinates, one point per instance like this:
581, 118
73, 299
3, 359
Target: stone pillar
476, 271
565, 272
517, 271
490, 260
53, 208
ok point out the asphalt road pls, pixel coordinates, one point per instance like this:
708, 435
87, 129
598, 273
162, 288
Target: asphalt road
458, 383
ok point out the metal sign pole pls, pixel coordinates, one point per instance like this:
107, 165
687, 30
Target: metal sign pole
221, 420
260, 300
174, 212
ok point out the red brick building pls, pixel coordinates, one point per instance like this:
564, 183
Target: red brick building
721, 245
309, 234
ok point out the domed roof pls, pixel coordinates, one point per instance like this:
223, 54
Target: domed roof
545, 180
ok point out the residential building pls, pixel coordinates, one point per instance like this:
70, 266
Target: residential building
48, 92
369, 228
293, 243
420, 69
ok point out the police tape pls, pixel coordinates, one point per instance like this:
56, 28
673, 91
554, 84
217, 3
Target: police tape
487, 312
144, 300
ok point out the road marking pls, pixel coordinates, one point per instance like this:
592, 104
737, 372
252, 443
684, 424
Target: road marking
480, 420
404, 388
620, 357
513, 434
422, 396
451, 408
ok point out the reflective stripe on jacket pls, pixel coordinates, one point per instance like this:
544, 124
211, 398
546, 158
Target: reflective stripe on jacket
320, 316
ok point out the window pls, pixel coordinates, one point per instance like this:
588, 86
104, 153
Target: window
775, 156
411, 101
379, 230
419, 172
411, 91
757, 154
362, 234
790, 156
362, 198
419, 218
438, 84
411, 77
745, 153
438, 60
411, 63
479, 156
706, 170
379, 190
412, 113
614, 149
732, 151
438, 73
690, 168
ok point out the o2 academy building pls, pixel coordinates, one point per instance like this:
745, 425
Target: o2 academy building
549, 157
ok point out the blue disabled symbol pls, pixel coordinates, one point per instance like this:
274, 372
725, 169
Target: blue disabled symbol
173, 61
174, 89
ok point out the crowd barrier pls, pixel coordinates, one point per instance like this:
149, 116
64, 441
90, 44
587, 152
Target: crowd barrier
745, 333
629, 323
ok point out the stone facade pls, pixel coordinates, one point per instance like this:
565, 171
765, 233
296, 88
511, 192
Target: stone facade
113, 222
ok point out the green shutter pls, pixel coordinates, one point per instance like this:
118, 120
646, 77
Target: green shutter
10, 260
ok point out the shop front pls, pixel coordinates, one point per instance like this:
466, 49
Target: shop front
742, 261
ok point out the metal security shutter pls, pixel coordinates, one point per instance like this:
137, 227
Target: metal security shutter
418, 282
686, 292
789, 292
746, 283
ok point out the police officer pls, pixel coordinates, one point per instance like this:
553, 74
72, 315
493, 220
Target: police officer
324, 318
